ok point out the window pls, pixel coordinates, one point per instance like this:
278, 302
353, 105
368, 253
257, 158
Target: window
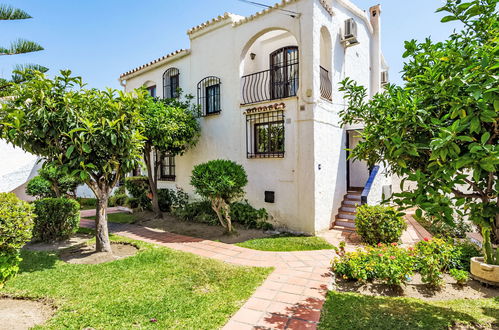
152, 90
167, 167
209, 96
171, 83
265, 134
284, 72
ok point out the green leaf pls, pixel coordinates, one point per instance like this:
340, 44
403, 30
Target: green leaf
86, 148
70, 151
485, 137
475, 125
496, 105
448, 19
489, 167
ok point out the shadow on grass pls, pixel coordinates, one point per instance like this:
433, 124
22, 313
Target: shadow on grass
355, 311
34, 261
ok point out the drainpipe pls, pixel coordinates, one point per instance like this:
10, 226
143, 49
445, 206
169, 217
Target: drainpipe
375, 49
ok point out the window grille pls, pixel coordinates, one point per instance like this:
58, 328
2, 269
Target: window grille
171, 83
265, 134
209, 96
167, 167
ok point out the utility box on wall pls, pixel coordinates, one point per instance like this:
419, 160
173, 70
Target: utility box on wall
269, 197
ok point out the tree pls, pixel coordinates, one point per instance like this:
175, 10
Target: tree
440, 130
170, 128
92, 134
222, 182
52, 182
19, 46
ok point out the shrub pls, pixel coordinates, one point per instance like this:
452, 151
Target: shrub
379, 224
16, 225
461, 276
118, 200
165, 199
87, 202
57, 219
439, 228
138, 188
386, 263
247, 215
463, 252
433, 257
179, 198
222, 182
39, 187
200, 211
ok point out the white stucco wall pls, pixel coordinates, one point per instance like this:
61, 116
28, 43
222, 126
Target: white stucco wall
310, 181
15, 167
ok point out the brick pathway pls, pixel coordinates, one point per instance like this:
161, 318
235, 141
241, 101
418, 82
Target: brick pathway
290, 298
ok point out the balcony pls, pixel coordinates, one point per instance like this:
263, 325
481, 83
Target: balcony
326, 86
273, 84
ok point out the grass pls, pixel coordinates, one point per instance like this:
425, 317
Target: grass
179, 290
356, 311
287, 243
118, 217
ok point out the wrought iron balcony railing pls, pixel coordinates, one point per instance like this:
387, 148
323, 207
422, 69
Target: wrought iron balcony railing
273, 84
326, 86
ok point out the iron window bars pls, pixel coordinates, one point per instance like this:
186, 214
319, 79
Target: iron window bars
209, 96
265, 134
326, 86
167, 167
171, 83
280, 81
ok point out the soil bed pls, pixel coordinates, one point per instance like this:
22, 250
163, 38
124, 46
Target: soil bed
417, 289
20, 314
75, 240
200, 230
85, 254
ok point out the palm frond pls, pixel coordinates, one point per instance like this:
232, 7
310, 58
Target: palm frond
18, 78
21, 46
11, 13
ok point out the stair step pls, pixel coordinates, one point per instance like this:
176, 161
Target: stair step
351, 203
345, 223
348, 209
346, 229
353, 197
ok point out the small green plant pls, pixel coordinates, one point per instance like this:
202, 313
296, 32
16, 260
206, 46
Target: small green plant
457, 229
87, 202
57, 219
118, 200
463, 252
247, 215
434, 256
16, 224
199, 211
170, 199
222, 182
379, 224
138, 188
461, 276
51, 182
388, 264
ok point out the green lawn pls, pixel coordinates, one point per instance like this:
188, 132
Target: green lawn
356, 311
179, 290
287, 243
118, 217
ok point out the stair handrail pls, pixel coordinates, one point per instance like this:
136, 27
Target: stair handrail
369, 183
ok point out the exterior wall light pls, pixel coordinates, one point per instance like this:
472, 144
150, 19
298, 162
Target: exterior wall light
252, 56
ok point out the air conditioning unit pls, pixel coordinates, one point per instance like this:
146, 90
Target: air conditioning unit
384, 78
349, 35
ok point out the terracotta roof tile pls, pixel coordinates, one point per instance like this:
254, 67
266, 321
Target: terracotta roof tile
186, 51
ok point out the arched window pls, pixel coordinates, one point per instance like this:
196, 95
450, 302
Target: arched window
284, 72
209, 96
171, 83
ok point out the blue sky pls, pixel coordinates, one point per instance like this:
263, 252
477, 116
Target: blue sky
100, 39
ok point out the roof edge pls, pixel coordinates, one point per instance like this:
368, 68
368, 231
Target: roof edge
155, 63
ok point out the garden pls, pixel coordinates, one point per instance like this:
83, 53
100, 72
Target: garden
439, 134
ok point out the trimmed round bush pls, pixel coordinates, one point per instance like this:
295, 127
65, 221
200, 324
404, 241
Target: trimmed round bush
16, 225
379, 224
57, 219
39, 187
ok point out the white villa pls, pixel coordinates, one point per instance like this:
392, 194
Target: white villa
267, 86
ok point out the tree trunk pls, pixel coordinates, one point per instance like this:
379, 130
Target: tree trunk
226, 208
101, 231
216, 205
153, 182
